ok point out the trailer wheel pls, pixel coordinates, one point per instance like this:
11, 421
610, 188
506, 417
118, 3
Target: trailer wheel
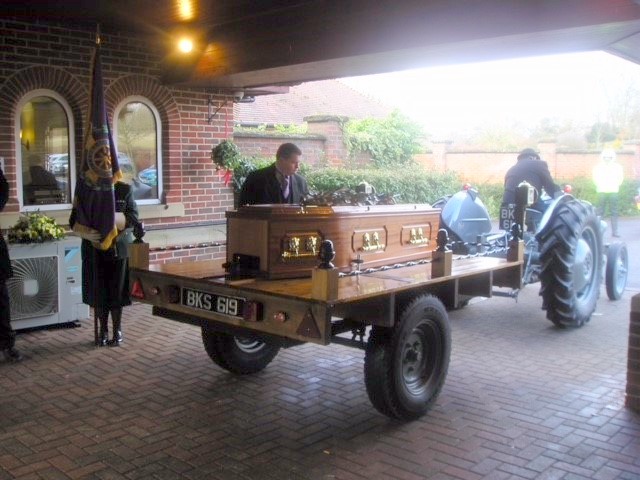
405, 367
571, 269
617, 270
239, 355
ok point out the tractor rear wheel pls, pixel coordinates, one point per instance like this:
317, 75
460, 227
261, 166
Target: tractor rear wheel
571, 264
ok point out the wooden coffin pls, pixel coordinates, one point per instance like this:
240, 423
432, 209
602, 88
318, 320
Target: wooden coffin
284, 239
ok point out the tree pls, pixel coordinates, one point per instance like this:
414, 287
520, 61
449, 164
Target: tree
600, 133
391, 142
624, 109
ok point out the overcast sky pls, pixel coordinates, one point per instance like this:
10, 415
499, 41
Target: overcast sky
457, 98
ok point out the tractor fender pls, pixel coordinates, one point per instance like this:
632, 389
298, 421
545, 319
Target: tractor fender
551, 209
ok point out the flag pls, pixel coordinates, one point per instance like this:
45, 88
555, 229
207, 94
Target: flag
94, 199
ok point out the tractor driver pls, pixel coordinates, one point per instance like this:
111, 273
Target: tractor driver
532, 169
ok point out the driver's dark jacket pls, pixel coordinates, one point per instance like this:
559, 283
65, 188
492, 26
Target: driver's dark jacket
534, 171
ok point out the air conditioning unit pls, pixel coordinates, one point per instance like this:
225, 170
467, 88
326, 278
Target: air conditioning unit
46, 287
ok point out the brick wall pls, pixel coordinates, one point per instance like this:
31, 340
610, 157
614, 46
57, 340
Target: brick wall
47, 56
330, 128
490, 167
266, 145
322, 145
181, 253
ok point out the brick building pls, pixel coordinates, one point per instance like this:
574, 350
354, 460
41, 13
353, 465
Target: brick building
48, 62
47, 65
323, 105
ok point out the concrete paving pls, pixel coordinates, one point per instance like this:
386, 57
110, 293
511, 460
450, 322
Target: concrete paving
522, 400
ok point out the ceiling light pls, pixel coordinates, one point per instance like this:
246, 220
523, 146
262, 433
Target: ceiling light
185, 10
185, 45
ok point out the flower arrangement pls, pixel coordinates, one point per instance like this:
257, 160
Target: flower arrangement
35, 228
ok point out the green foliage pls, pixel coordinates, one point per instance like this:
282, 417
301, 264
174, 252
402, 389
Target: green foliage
408, 187
277, 129
291, 129
584, 189
226, 155
243, 166
391, 142
419, 186
497, 138
35, 228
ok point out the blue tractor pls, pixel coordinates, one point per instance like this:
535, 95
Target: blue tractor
564, 248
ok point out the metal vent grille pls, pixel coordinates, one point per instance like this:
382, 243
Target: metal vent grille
33, 289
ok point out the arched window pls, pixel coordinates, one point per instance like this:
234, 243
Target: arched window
44, 149
138, 138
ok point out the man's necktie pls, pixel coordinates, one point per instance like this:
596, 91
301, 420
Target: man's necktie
285, 187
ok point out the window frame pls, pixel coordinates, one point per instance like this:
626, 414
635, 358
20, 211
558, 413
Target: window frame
44, 92
116, 115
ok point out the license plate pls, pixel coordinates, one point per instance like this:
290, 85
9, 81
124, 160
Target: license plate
507, 216
225, 305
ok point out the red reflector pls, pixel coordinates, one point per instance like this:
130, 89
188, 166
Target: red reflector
136, 290
280, 317
567, 189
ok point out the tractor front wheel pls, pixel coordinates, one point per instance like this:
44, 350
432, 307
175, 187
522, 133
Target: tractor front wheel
617, 270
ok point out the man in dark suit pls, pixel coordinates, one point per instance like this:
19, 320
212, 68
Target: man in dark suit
532, 169
277, 183
7, 335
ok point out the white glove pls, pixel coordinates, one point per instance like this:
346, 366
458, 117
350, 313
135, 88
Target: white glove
121, 221
92, 236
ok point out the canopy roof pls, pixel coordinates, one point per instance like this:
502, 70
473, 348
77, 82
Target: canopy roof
254, 43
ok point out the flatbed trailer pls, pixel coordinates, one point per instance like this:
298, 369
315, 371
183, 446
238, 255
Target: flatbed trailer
397, 314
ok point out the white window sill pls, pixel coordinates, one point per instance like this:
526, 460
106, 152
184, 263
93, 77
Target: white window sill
8, 220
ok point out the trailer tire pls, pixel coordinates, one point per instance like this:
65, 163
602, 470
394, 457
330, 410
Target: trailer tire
570, 264
617, 270
239, 355
405, 367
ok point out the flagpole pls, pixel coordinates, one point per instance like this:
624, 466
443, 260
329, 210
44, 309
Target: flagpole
93, 259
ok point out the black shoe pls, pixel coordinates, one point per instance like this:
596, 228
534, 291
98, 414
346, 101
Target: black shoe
12, 355
117, 338
103, 340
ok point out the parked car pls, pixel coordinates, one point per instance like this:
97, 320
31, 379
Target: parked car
58, 163
149, 176
126, 167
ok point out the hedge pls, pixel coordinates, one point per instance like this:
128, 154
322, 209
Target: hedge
582, 188
407, 186
411, 185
